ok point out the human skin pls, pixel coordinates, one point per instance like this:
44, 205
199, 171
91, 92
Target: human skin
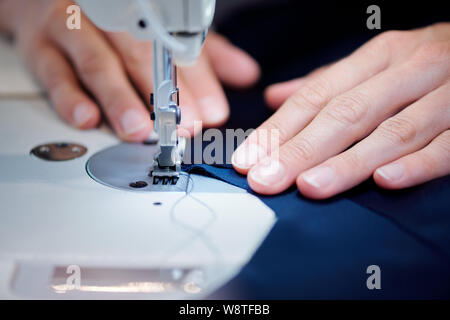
383, 111
88, 72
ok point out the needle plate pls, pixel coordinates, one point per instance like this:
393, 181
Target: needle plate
127, 166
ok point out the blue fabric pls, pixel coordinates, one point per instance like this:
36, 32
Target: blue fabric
322, 249
422, 211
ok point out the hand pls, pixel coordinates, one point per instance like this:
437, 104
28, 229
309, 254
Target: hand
88, 71
382, 111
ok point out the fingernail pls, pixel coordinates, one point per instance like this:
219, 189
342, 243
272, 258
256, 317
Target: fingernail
391, 172
268, 172
213, 110
132, 122
320, 177
248, 155
81, 114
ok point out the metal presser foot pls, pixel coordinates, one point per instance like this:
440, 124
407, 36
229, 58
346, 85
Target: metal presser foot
166, 115
168, 174
149, 167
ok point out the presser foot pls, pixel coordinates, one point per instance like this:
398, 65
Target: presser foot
165, 175
168, 174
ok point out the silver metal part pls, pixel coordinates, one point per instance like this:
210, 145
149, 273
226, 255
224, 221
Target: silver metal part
167, 113
180, 25
59, 151
126, 166
178, 30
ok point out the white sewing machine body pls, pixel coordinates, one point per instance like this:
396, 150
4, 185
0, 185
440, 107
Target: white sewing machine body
127, 244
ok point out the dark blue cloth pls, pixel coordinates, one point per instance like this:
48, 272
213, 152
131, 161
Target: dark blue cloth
321, 250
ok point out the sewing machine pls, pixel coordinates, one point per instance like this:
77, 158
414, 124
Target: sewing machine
178, 30
74, 200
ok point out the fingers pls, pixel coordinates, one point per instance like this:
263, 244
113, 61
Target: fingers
137, 59
402, 134
101, 71
189, 111
431, 162
205, 88
380, 47
233, 66
57, 77
205, 99
348, 118
313, 95
278, 93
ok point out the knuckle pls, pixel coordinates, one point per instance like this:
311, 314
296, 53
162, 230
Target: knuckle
92, 63
313, 94
389, 39
299, 150
398, 130
433, 52
348, 109
390, 43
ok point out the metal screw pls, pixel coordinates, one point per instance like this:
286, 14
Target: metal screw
138, 184
142, 24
